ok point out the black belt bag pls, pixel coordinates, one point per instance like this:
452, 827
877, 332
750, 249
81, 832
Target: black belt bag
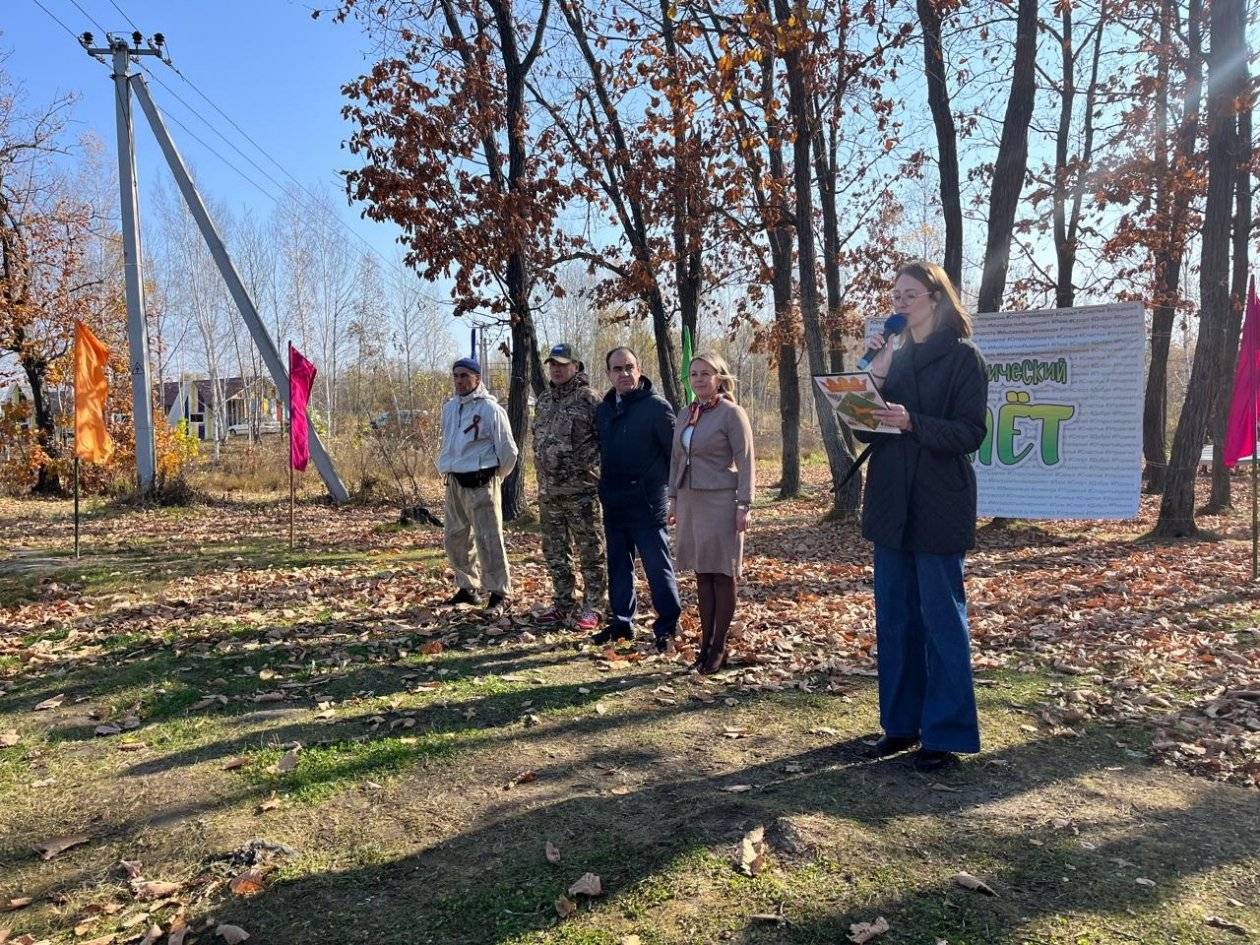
475, 480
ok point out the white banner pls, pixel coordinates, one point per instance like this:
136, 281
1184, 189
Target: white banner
1065, 412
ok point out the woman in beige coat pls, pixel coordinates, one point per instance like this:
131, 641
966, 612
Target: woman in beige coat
711, 484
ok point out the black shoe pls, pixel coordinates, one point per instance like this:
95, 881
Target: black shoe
891, 745
926, 760
496, 605
464, 596
612, 633
662, 642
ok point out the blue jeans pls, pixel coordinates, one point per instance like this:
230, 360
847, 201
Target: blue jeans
651, 542
925, 686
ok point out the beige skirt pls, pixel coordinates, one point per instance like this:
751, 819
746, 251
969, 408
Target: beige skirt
705, 539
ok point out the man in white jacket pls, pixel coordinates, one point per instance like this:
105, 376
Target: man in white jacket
478, 453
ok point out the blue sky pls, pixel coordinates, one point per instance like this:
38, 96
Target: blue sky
265, 63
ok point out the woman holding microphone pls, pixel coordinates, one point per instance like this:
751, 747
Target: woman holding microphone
920, 511
711, 483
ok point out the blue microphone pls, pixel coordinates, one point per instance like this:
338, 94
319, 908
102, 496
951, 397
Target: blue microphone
894, 325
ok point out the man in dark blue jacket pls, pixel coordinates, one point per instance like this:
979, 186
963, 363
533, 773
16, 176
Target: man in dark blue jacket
636, 434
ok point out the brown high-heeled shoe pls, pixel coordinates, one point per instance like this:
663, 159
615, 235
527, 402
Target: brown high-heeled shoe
716, 657
702, 656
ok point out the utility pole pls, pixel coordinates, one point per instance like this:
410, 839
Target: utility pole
133, 274
121, 52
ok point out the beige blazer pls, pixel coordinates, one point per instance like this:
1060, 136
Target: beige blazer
721, 452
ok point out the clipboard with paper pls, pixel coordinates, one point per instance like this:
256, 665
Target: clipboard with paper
855, 398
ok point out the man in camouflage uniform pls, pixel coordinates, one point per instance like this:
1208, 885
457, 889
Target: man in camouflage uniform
566, 459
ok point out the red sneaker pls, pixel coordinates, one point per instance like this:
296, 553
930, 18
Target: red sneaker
588, 620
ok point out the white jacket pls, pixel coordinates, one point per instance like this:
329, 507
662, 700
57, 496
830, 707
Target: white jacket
476, 435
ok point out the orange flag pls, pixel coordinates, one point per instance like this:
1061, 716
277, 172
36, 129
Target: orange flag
91, 389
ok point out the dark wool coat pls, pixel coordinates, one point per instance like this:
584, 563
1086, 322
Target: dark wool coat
920, 487
635, 438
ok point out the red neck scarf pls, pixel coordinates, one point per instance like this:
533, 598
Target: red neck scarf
697, 408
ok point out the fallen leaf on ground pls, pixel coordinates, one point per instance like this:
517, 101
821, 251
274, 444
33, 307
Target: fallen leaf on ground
586, 885
235, 763
1143, 881
179, 929
51, 703
250, 882
14, 904
50, 848
288, 761
752, 851
151, 937
154, 889
232, 934
860, 932
131, 868
10, 738
432, 649
967, 881
736, 788
552, 852
103, 730
823, 730
565, 907
1217, 922
525, 777
270, 803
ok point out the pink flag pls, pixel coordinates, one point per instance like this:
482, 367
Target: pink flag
301, 377
1240, 432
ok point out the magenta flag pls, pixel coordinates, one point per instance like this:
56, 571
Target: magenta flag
301, 377
1240, 432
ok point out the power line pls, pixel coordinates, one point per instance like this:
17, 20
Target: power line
94, 20
222, 136
124, 15
201, 141
228, 118
56, 19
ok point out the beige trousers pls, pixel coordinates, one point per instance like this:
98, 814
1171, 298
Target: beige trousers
474, 537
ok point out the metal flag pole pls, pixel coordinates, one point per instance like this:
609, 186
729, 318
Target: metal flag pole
291, 485
76, 507
1255, 449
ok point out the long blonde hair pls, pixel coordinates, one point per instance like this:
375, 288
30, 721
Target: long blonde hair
949, 307
725, 379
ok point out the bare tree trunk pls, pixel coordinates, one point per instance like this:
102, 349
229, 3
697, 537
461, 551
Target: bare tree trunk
946, 137
839, 458
1176, 511
1220, 498
1012, 160
1071, 175
1169, 255
789, 380
525, 359
47, 481
632, 214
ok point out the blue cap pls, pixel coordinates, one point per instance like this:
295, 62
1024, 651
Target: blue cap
468, 364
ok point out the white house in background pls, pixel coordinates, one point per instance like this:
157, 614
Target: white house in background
60, 400
191, 400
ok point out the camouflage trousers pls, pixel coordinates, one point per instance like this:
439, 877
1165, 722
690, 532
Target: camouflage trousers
569, 523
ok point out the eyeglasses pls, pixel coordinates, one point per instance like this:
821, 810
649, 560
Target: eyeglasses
622, 368
908, 297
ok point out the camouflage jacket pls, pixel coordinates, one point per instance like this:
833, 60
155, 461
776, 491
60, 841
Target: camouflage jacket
566, 446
